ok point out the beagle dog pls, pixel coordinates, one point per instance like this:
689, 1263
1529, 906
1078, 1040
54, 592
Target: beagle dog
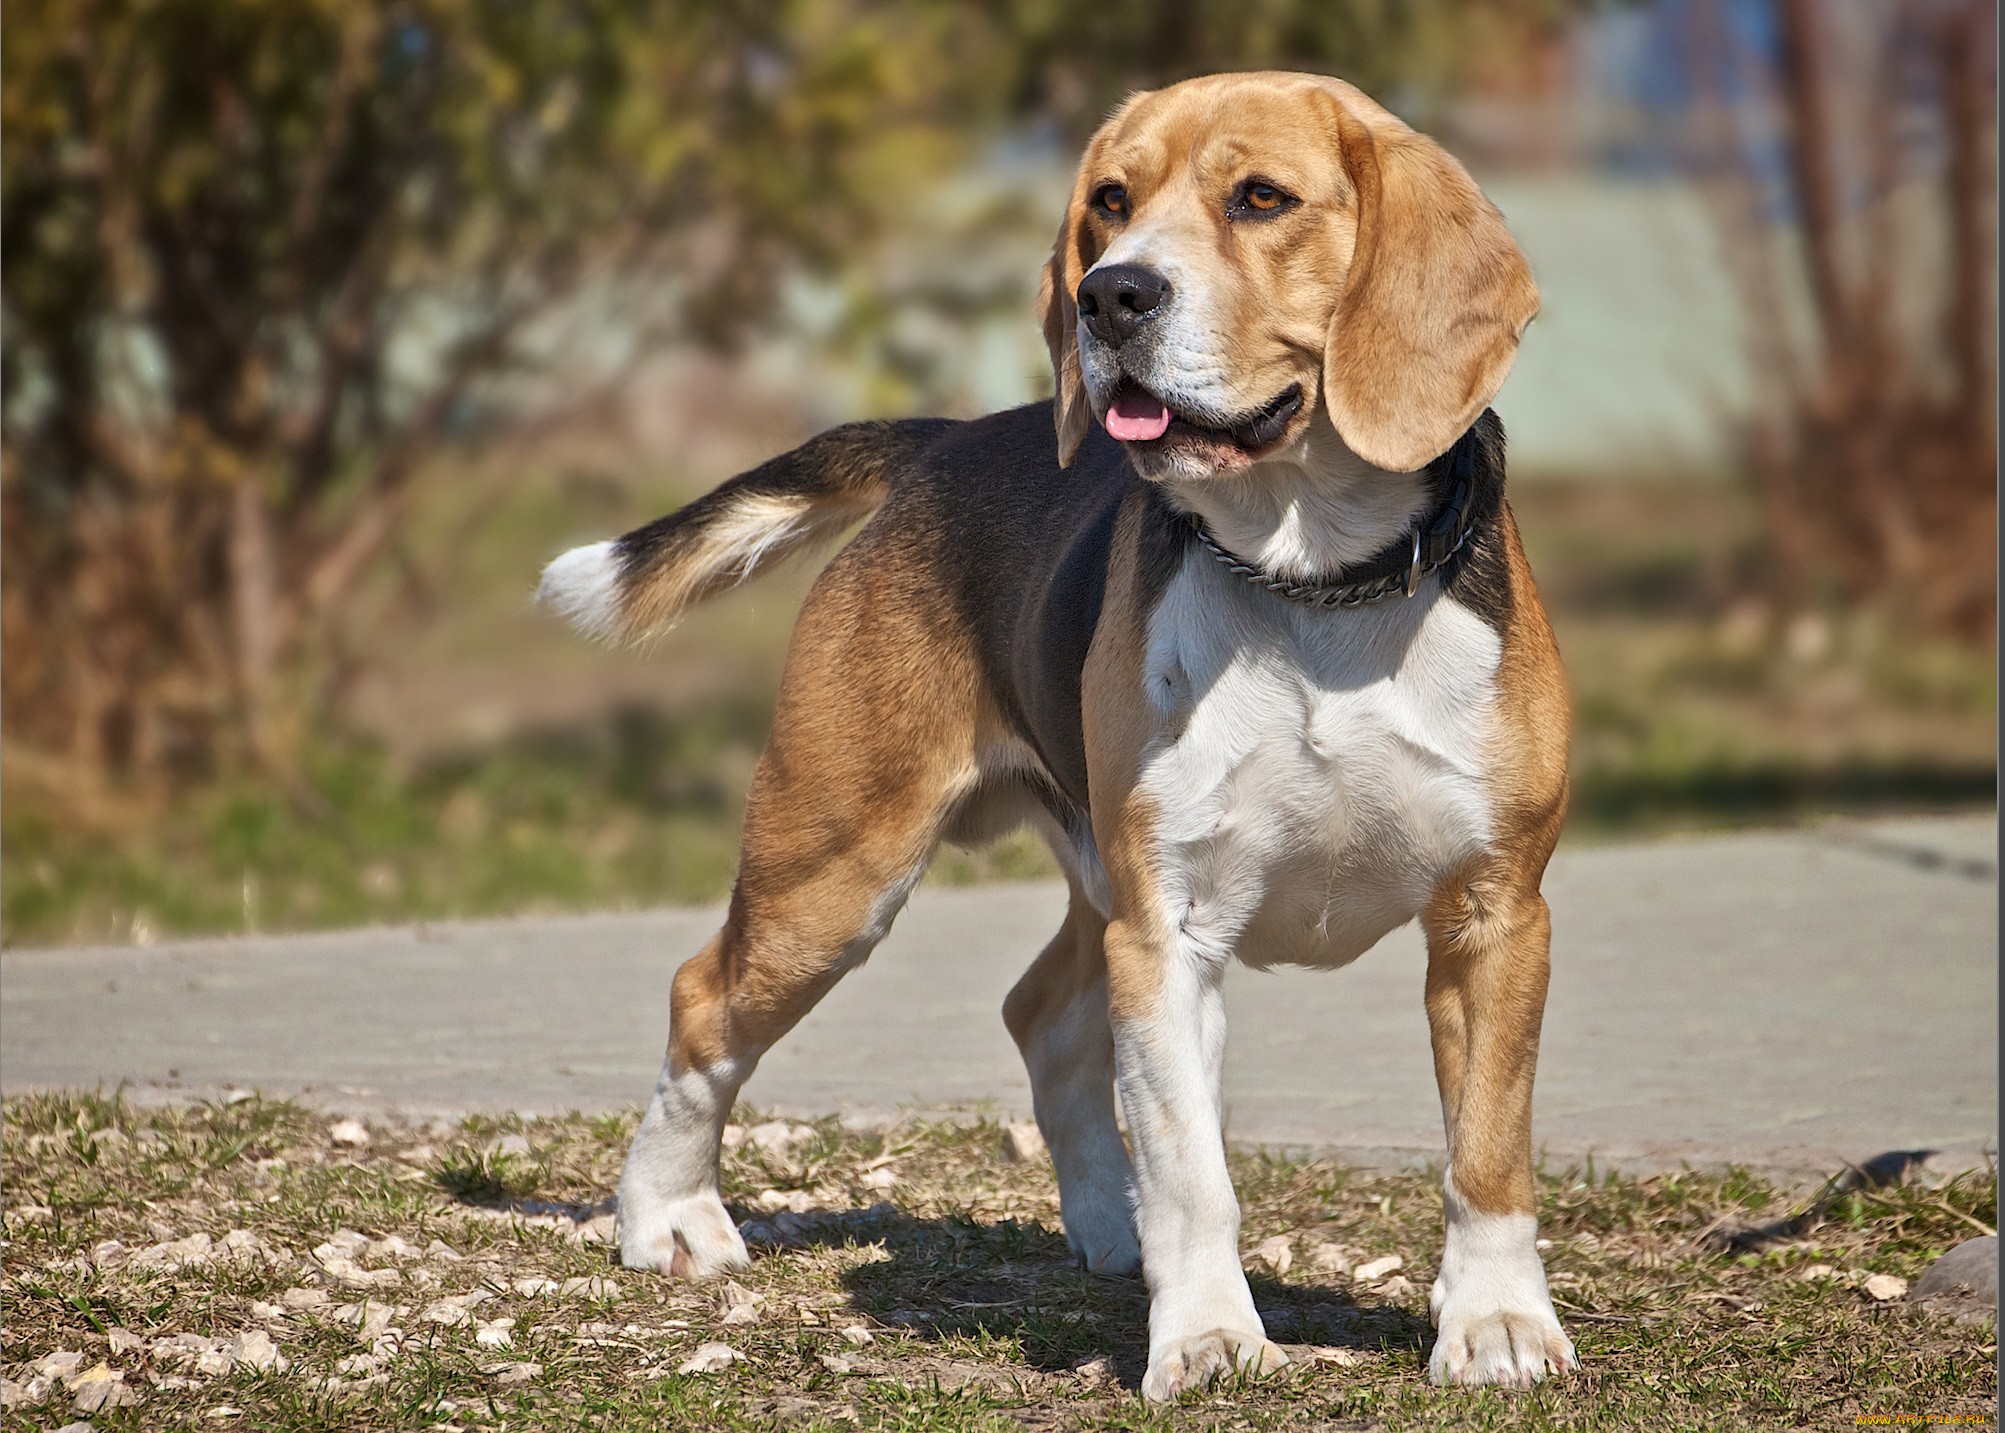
1241, 622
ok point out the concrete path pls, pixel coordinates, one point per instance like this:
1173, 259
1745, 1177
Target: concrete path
1790, 1000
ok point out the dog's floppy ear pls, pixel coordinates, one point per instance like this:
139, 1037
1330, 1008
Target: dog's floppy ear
1059, 314
1437, 297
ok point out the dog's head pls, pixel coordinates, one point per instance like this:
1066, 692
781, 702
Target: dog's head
1247, 255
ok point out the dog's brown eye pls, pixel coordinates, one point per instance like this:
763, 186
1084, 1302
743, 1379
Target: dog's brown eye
1111, 199
1257, 199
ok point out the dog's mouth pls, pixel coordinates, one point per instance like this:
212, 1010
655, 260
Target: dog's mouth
1135, 415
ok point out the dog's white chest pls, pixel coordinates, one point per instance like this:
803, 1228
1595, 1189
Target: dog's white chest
1315, 773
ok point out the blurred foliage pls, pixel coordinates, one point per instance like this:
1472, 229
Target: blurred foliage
258, 256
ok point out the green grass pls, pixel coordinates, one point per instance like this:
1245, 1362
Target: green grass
958, 1274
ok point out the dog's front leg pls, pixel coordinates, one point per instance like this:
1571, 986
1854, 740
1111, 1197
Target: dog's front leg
1168, 1013
1487, 965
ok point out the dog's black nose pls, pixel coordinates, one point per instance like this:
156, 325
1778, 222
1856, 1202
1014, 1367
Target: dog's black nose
1115, 301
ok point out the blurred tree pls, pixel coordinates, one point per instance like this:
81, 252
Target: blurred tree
258, 257
1878, 446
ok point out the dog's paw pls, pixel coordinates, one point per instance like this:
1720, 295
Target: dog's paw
691, 1238
1188, 1363
1514, 1348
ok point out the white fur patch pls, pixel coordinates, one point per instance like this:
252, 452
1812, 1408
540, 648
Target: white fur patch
672, 1218
584, 586
1318, 772
1491, 1303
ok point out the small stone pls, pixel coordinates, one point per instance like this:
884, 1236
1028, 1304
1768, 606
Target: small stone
510, 1375
496, 1334
1095, 1372
1968, 1272
835, 1363
776, 1137
303, 1298
79, 1426
858, 1335
793, 1201
348, 1134
1024, 1144
107, 1253
240, 1244
255, 1347
101, 1388
1373, 1270
711, 1358
879, 1179
1276, 1255
600, 1229
392, 1246
440, 1250
445, 1312
534, 1288
1327, 1257
61, 1364
1883, 1288
734, 1135
595, 1287
1817, 1273
176, 1253
12, 1394
509, 1144
1341, 1357
1397, 1287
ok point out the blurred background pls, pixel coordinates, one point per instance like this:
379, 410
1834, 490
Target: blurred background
326, 324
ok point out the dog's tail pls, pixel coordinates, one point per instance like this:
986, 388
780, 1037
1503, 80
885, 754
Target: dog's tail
638, 584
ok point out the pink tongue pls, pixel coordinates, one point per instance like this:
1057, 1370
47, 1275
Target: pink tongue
1137, 417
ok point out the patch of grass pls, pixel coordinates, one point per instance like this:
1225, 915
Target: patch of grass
956, 1274
638, 809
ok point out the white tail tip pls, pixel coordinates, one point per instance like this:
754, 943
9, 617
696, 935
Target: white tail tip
584, 585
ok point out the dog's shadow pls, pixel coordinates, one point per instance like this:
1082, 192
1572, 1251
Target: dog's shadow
942, 1279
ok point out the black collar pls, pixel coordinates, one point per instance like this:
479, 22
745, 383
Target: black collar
1436, 544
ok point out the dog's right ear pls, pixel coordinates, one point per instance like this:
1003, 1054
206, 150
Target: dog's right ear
1059, 315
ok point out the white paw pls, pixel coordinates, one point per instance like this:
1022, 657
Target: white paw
690, 1238
1512, 1347
1186, 1363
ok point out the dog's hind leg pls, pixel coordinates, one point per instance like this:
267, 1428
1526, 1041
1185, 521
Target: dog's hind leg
867, 755
1058, 1016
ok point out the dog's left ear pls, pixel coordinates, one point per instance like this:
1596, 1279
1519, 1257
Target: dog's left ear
1059, 315
1437, 297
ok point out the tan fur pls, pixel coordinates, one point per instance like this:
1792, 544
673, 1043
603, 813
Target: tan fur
872, 741
1400, 312
1488, 930
1117, 727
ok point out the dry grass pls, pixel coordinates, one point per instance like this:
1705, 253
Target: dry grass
942, 1256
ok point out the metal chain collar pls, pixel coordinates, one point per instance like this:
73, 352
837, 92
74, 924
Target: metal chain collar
1341, 594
